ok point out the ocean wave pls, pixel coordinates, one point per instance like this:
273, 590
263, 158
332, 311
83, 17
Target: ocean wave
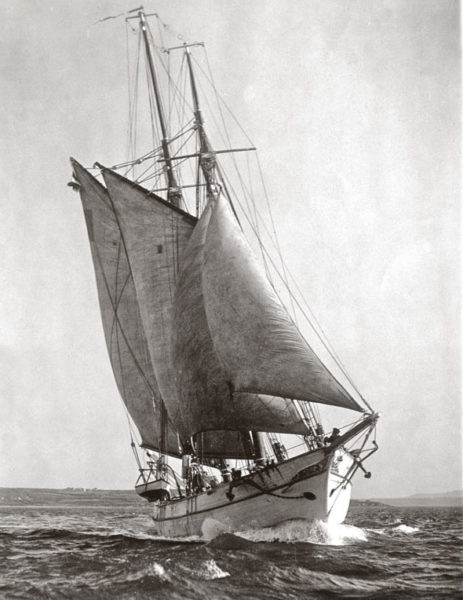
402, 528
152, 570
394, 553
160, 572
299, 530
187, 539
110, 534
206, 570
324, 581
393, 530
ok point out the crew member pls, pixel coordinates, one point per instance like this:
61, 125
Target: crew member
335, 435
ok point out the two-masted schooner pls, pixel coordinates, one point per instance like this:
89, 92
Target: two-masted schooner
219, 380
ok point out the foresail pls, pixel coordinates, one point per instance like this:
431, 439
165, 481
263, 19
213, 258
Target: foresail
259, 347
205, 393
123, 330
155, 233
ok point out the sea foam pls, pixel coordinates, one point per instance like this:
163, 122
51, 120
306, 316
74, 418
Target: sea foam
316, 532
211, 570
406, 528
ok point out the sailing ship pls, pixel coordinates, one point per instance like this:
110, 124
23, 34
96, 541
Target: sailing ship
221, 383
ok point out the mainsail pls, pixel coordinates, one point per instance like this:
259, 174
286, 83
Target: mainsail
123, 329
156, 235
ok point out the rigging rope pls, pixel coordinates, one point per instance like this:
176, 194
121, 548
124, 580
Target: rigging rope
322, 340
220, 101
320, 332
178, 104
255, 225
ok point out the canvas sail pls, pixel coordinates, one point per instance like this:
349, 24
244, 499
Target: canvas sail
257, 344
204, 389
156, 234
123, 329
222, 444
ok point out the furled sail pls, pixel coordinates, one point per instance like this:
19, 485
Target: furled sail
156, 234
205, 391
123, 329
259, 347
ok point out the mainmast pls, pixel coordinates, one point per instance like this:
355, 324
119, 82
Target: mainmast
209, 167
208, 164
207, 160
174, 193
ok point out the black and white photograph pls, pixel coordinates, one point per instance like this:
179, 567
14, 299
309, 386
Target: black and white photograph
230, 311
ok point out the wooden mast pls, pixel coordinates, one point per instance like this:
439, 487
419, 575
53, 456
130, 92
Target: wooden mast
174, 194
208, 166
207, 160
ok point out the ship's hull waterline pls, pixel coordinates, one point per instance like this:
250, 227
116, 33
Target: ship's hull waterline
311, 486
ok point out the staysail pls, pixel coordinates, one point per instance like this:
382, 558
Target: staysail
123, 329
258, 345
156, 234
204, 389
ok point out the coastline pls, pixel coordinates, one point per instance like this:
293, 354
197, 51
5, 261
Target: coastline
93, 498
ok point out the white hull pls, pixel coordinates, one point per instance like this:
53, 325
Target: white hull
318, 474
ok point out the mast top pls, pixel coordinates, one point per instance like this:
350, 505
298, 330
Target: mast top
174, 193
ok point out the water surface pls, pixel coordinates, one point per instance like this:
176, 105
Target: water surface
103, 552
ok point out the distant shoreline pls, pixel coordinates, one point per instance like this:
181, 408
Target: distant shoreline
454, 498
63, 506
95, 498
69, 497
415, 502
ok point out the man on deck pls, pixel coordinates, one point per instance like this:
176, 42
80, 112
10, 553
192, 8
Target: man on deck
335, 435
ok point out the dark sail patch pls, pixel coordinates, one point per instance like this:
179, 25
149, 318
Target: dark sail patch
89, 221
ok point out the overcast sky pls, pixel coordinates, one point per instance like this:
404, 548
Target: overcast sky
354, 106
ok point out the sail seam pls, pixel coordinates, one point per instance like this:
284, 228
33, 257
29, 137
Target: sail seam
140, 369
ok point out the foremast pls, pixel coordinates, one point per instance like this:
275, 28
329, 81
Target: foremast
174, 193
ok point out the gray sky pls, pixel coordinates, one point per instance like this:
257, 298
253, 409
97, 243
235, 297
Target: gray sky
354, 106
